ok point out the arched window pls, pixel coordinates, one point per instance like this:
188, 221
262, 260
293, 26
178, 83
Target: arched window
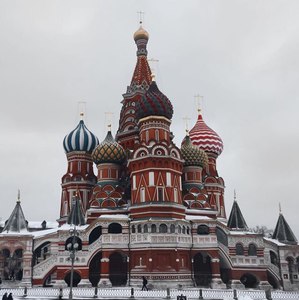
172, 228
203, 229
252, 250
133, 229
95, 234
153, 228
114, 228
239, 249
145, 228
163, 228
139, 228
179, 229
184, 230
273, 258
188, 230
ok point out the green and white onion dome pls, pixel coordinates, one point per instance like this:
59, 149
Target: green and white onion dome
80, 139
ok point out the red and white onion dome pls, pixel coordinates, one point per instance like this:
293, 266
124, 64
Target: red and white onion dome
206, 138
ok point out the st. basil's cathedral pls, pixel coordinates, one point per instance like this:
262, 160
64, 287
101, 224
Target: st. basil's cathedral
153, 209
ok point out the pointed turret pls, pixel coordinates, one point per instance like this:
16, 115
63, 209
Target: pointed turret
236, 219
16, 221
283, 232
128, 132
76, 216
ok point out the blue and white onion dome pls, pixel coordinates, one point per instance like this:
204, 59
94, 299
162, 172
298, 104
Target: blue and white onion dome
80, 139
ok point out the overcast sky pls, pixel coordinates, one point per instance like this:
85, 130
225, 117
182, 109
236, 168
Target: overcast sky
242, 56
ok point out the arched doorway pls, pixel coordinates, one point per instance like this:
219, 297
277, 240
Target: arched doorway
202, 269
95, 269
249, 281
76, 278
118, 269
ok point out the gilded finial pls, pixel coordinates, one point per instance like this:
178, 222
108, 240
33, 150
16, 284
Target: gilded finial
81, 115
280, 208
153, 77
109, 127
235, 195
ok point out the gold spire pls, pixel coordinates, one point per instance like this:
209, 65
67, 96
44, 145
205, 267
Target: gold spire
81, 115
279, 208
235, 195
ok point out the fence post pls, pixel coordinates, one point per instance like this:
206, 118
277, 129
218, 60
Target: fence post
168, 293
235, 295
268, 294
200, 294
25, 291
132, 293
60, 294
95, 292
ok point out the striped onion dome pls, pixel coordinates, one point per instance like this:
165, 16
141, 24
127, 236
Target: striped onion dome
80, 139
206, 138
193, 155
154, 103
109, 151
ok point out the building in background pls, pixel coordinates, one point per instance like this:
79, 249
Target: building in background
153, 209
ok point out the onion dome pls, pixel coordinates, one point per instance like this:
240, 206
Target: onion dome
80, 139
141, 34
141, 37
206, 138
109, 151
154, 103
193, 155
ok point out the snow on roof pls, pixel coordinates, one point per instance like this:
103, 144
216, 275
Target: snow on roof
242, 232
38, 224
192, 217
41, 233
23, 232
116, 216
274, 241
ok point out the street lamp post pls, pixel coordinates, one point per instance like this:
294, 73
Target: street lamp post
72, 248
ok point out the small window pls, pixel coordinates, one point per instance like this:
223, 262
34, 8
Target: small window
252, 250
239, 249
139, 228
163, 228
203, 230
160, 194
153, 228
133, 229
145, 228
114, 228
172, 228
